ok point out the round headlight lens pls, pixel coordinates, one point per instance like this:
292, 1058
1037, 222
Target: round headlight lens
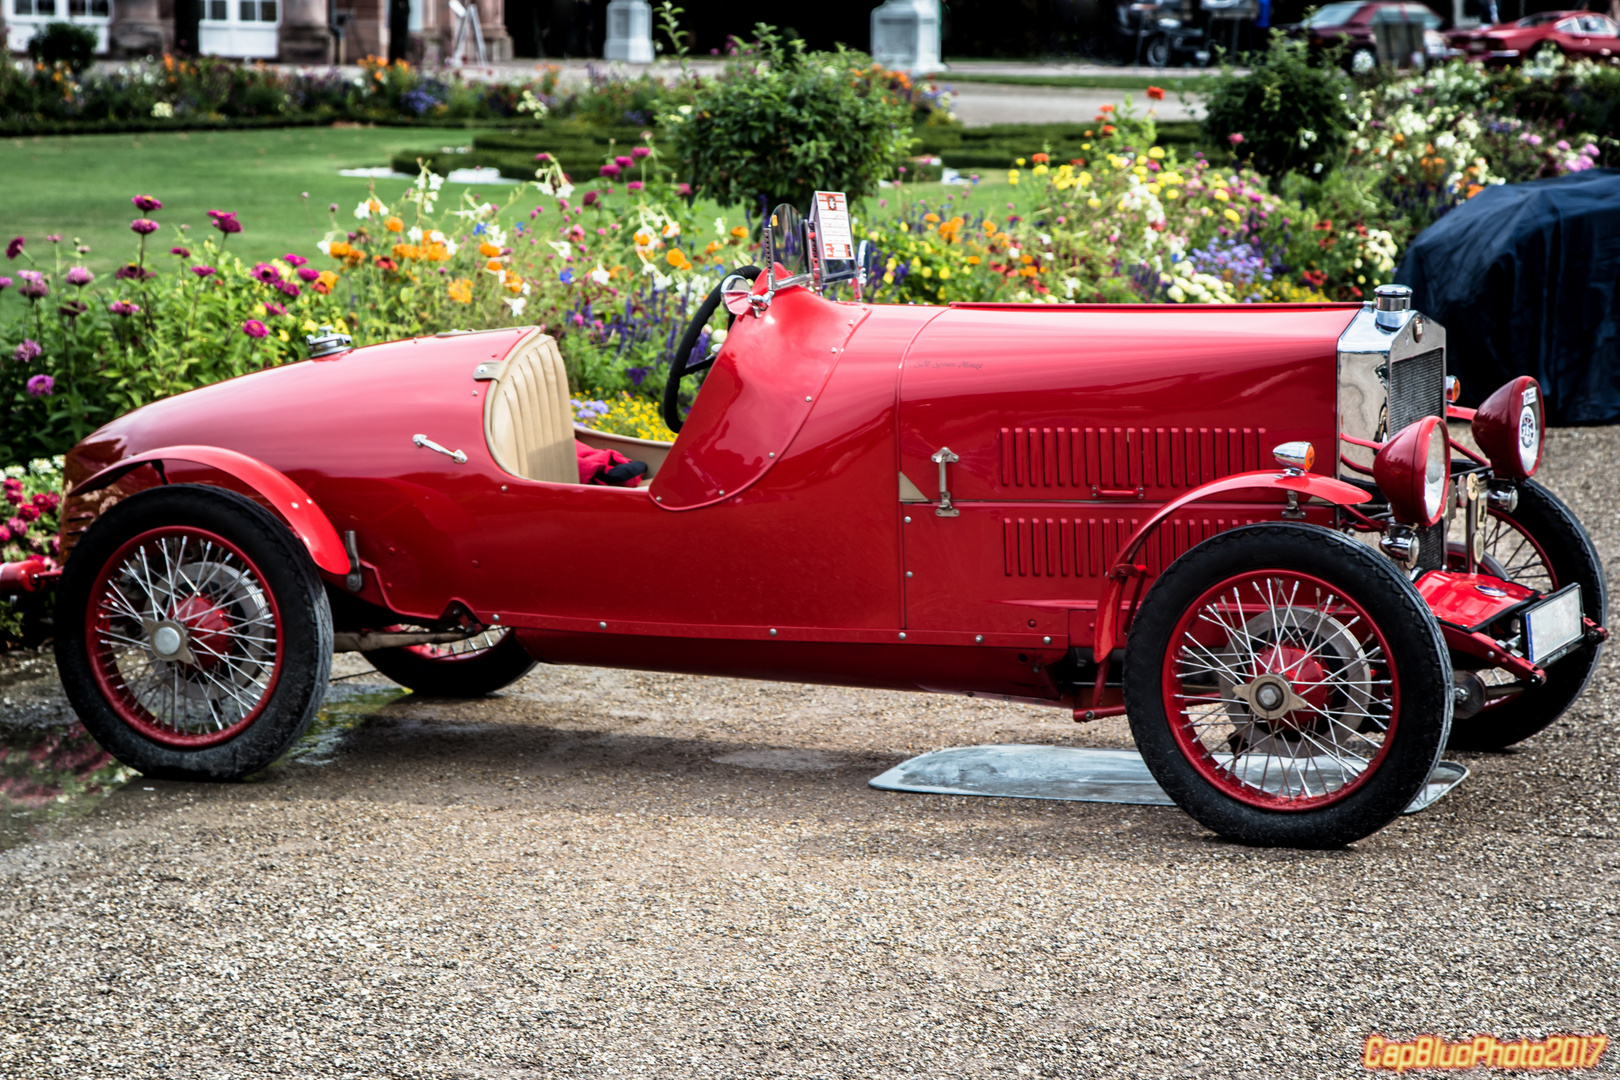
1435, 470
1530, 431
1508, 427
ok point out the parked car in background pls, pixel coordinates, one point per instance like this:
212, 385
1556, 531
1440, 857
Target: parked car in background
1353, 23
1571, 33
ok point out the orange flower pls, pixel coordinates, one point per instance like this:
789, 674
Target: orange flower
677, 258
338, 249
324, 283
1105, 108
461, 291
1039, 159
1108, 129
1155, 93
739, 232
488, 250
493, 264
1475, 189
393, 224
514, 283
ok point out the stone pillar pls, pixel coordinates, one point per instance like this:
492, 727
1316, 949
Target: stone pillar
305, 37
138, 29
629, 32
905, 36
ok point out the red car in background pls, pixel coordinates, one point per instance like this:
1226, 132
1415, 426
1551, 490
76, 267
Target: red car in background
1572, 33
1351, 23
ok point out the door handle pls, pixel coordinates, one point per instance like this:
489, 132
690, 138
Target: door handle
944, 457
428, 444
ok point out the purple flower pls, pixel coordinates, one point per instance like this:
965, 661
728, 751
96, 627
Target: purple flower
144, 226
34, 285
14, 248
274, 309
5, 283
610, 171
133, 272
308, 274
635, 185
146, 203
26, 351
203, 271
295, 260
683, 190
1562, 144
124, 307
640, 152
253, 328
624, 162
567, 276
289, 290
80, 276
225, 221
41, 386
266, 273
184, 253
55, 237
589, 199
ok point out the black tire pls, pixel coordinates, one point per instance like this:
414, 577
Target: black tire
472, 676
1402, 736
269, 580
1156, 53
1566, 557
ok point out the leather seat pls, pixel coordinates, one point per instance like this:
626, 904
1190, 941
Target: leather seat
528, 421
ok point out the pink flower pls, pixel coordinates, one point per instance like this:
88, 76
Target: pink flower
25, 352
18, 527
39, 386
611, 171
253, 328
5, 283
683, 190
133, 272
635, 185
146, 203
47, 501
124, 307
640, 152
34, 286
309, 275
203, 271
184, 253
225, 221
1236, 138
80, 276
144, 226
14, 248
28, 511
266, 273
55, 237
624, 162
295, 260
291, 291
542, 156
1562, 144
590, 198
274, 309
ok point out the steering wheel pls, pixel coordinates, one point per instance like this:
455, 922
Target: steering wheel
679, 365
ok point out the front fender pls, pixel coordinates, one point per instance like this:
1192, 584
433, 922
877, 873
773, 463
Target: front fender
289, 501
1124, 567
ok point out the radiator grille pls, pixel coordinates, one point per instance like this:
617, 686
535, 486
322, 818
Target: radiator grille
1417, 388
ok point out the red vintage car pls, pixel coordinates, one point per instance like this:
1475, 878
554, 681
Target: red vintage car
1243, 526
1570, 33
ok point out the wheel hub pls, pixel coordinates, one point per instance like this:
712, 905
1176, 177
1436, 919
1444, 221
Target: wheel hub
169, 641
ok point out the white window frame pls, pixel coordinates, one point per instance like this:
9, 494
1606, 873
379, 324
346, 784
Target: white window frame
21, 26
255, 38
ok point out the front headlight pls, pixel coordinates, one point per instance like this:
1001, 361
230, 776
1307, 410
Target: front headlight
1508, 428
1413, 470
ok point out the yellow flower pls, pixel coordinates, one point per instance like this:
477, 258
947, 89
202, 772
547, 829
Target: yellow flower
282, 334
1020, 163
1220, 194
1171, 178
393, 224
1012, 177
1141, 172
488, 250
1085, 146
944, 273
461, 291
1156, 153
1231, 215
1085, 179
1039, 170
309, 326
1094, 202
1172, 194
1153, 189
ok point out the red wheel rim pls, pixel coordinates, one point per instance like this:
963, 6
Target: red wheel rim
1280, 690
455, 652
184, 637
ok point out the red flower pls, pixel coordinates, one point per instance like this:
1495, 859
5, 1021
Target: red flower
14, 248
385, 263
1155, 93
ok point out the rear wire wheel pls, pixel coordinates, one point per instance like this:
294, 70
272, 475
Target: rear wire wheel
460, 669
1542, 545
195, 638
1287, 686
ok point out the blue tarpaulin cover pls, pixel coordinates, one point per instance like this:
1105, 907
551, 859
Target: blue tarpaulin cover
1526, 280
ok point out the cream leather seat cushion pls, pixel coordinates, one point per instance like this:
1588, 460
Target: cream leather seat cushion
528, 421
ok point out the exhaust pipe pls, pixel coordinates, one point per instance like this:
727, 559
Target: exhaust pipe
26, 576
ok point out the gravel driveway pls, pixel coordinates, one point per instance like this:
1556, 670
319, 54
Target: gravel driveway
605, 873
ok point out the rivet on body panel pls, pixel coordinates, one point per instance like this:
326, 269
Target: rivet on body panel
773, 631
902, 635
601, 626
908, 573
1046, 641
978, 639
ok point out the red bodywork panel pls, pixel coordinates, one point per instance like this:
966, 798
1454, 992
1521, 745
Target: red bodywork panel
809, 566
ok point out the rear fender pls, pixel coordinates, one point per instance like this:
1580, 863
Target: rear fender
289, 501
1124, 564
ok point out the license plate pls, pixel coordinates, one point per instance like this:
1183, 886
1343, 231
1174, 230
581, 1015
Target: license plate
1553, 625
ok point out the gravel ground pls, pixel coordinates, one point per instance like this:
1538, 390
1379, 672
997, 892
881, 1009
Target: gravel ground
605, 873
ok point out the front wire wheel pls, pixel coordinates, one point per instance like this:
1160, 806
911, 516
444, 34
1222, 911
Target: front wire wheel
1287, 686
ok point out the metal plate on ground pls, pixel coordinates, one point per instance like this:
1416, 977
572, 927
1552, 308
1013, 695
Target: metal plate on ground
1068, 773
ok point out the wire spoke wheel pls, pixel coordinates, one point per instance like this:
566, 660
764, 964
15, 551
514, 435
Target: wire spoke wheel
1280, 690
469, 668
465, 649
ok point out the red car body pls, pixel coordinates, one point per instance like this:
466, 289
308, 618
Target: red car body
980, 499
1350, 23
1573, 33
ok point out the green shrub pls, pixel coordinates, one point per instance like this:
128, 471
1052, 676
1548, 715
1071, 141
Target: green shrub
1285, 115
63, 43
780, 123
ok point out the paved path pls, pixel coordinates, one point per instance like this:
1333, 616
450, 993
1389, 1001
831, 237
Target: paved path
616, 874
978, 104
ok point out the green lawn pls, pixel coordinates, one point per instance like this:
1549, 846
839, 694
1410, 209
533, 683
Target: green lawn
80, 185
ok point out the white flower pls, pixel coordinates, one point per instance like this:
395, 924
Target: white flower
324, 247
517, 304
719, 226
415, 234
563, 248
599, 275
362, 210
